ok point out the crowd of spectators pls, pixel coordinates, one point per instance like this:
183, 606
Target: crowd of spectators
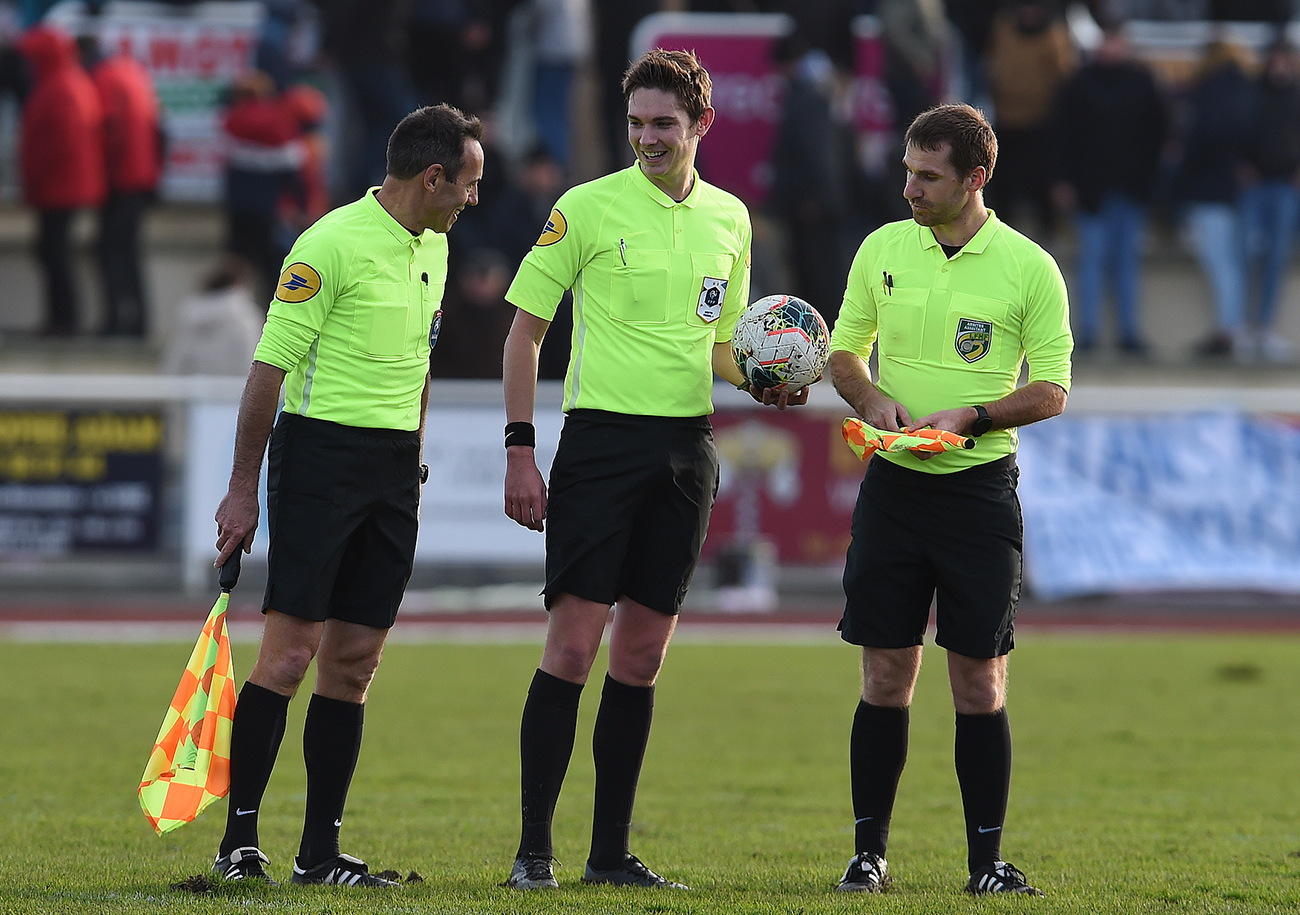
1097, 150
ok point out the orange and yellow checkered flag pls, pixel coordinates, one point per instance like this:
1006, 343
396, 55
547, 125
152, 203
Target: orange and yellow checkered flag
866, 440
190, 764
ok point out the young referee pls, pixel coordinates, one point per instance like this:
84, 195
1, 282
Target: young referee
658, 261
348, 336
954, 301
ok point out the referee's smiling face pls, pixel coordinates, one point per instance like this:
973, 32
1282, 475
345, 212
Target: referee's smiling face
449, 196
664, 138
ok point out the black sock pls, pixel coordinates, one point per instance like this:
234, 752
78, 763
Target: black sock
255, 735
331, 742
618, 744
982, 751
877, 754
546, 734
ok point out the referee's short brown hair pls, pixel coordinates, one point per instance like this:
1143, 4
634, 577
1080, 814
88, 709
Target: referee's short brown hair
678, 72
432, 135
963, 129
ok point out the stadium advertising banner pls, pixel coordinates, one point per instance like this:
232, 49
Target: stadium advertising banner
1193, 501
787, 478
1187, 501
748, 91
1112, 504
79, 480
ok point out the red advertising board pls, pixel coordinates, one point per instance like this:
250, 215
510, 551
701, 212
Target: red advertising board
787, 477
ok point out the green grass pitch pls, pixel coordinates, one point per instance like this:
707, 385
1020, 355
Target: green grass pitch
1153, 773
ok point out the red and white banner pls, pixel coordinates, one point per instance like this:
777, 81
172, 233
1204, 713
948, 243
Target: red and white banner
193, 52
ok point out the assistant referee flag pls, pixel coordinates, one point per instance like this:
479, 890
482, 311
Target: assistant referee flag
190, 764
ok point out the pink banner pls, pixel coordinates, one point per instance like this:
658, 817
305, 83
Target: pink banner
748, 91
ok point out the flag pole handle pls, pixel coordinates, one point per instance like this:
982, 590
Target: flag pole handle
228, 575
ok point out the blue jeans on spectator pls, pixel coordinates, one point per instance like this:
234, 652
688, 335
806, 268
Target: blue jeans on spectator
1269, 210
1216, 235
1110, 251
552, 83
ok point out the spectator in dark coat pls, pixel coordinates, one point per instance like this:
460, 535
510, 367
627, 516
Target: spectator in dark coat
1214, 123
812, 191
61, 157
1271, 198
1113, 124
475, 318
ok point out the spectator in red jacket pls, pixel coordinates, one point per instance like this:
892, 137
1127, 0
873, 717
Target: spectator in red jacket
61, 158
264, 172
133, 152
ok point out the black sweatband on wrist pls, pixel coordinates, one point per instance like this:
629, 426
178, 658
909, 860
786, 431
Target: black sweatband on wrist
521, 434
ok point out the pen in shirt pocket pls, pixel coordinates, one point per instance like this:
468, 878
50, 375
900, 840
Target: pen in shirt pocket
622, 250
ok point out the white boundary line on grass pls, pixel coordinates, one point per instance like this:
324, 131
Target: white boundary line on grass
408, 633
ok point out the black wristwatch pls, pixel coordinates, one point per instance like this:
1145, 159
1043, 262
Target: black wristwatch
983, 423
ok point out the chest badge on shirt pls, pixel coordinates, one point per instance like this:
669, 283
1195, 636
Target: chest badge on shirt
974, 339
298, 283
435, 328
712, 295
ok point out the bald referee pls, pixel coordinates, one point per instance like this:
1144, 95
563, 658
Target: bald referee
954, 302
348, 336
658, 261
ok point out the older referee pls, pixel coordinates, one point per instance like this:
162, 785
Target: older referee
348, 335
658, 262
954, 301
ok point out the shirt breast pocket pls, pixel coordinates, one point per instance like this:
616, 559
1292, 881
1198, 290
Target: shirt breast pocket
900, 324
639, 289
976, 333
380, 322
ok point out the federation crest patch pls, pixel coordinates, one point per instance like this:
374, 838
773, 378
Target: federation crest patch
435, 328
553, 231
974, 339
298, 283
712, 295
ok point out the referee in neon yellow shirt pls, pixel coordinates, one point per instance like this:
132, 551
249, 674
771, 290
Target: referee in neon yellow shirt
658, 261
954, 302
348, 336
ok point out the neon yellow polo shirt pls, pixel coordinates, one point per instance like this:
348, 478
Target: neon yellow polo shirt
954, 333
655, 284
352, 315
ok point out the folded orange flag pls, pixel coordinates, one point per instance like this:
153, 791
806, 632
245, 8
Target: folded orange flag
866, 440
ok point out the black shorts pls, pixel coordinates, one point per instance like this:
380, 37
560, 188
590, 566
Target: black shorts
342, 516
630, 499
955, 539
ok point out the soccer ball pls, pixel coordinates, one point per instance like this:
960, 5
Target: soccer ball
781, 340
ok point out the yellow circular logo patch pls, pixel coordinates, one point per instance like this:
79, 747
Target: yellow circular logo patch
554, 229
298, 283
